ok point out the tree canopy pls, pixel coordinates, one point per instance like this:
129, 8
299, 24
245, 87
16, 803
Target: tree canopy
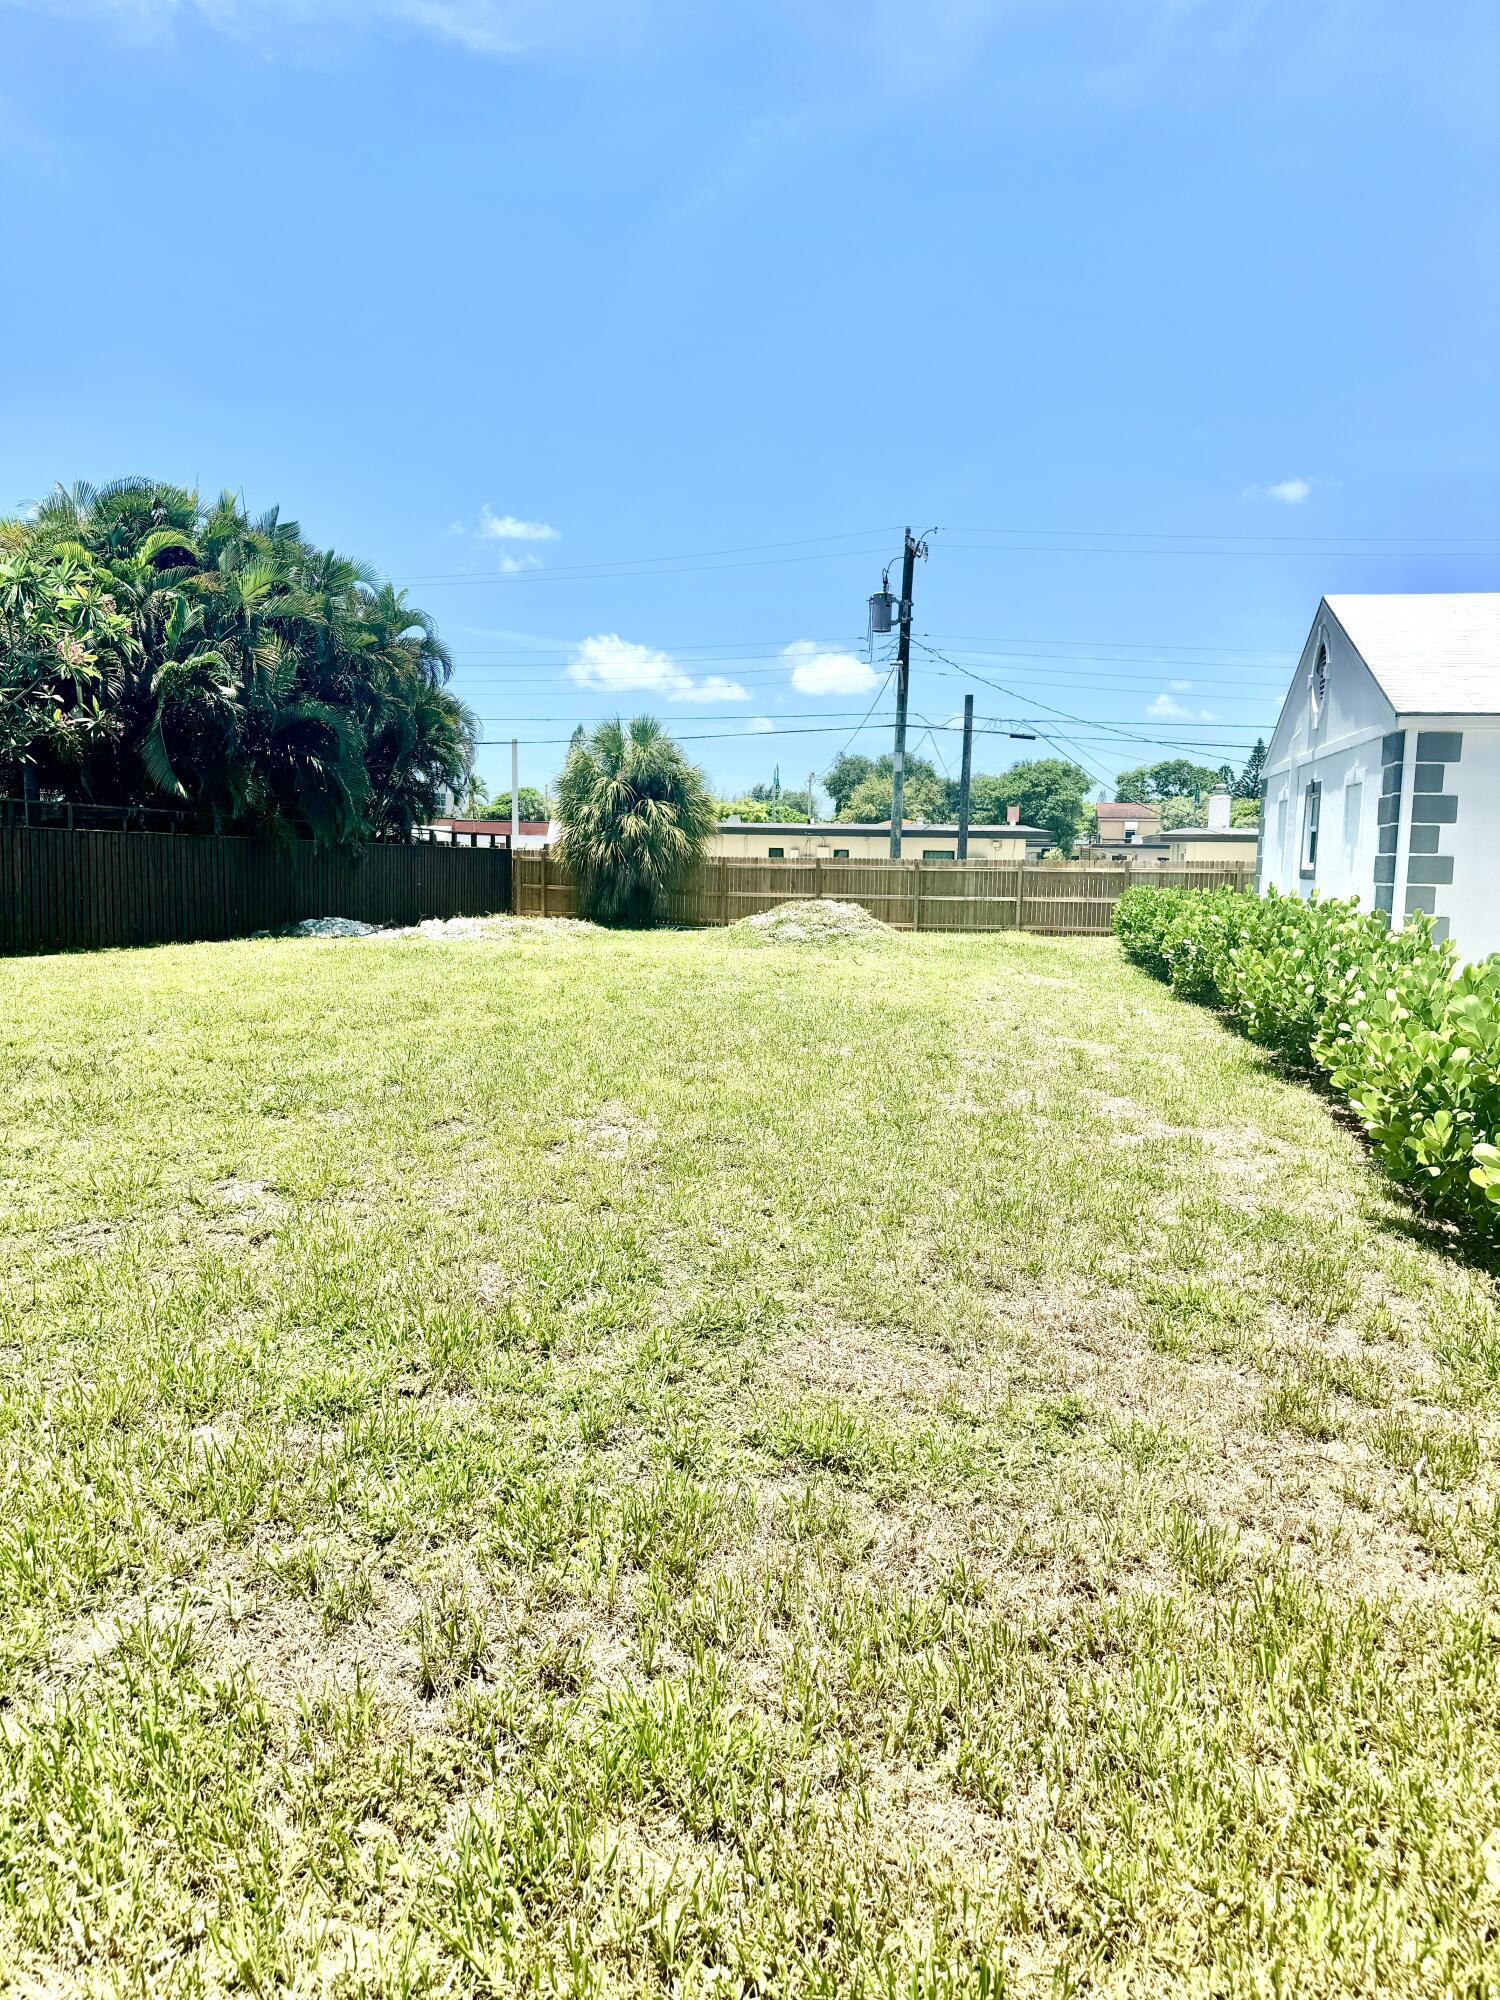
485, 805
158, 650
1174, 777
636, 816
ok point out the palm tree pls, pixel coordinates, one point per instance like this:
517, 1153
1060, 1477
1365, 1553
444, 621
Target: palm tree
636, 816
242, 673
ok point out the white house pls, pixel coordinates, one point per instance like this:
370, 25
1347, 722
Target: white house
1383, 777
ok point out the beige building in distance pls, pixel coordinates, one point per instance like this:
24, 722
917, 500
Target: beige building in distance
845, 840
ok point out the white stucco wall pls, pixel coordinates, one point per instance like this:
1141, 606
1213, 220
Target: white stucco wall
1338, 744
1446, 809
1471, 901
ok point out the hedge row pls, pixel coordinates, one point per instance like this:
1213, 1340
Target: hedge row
1406, 1034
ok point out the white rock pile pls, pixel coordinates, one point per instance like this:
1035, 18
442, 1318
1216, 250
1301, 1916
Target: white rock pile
333, 927
814, 922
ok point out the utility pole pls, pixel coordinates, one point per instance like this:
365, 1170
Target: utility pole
903, 682
966, 772
515, 793
812, 803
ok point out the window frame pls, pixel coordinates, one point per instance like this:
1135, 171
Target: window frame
1312, 814
776, 854
1354, 797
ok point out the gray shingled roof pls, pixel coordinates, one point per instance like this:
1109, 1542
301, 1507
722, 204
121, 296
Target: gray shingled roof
1433, 653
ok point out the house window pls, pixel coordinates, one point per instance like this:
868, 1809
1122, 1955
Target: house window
841, 854
938, 853
776, 854
1311, 804
1354, 799
1132, 828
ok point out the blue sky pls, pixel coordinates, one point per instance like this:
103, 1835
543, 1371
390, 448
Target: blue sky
628, 334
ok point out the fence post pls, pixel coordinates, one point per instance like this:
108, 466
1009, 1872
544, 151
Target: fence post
546, 865
724, 892
817, 878
916, 894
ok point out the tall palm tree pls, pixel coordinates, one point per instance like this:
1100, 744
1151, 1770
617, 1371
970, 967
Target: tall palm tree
241, 671
636, 816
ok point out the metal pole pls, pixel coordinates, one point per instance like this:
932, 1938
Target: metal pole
515, 792
965, 773
903, 679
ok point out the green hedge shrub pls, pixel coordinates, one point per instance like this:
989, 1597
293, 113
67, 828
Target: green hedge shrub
1406, 1034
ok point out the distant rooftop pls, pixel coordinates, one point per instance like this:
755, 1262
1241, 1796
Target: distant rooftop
1433, 652
986, 830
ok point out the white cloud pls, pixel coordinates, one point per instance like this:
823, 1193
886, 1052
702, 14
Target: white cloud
1286, 492
514, 565
817, 671
506, 528
1179, 687
1173, 711
760, 725
619, 666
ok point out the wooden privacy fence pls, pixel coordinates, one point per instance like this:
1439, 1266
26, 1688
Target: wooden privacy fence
1064, 900
62, 890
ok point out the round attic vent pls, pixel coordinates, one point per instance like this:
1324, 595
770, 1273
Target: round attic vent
1320, 676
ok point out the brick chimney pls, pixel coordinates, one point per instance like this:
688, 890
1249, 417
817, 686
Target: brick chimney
1012, 815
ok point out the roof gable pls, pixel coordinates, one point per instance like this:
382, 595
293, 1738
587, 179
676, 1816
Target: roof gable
1431, 652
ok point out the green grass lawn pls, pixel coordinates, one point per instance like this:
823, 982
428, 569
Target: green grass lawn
606, 1465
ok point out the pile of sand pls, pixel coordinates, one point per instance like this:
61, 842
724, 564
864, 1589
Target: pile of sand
812, 922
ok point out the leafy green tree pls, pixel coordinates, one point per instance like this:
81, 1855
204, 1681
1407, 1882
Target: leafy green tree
1180, 812
533, 805
843, 775
636, 816
1173, 778
1050, 793
784, 809
1245, 812
224, 665
925, 794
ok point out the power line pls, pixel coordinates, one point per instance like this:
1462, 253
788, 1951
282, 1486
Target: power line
609, 572
1084, 721
1220, 535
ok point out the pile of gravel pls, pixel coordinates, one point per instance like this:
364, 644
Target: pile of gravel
812, 922
333, 927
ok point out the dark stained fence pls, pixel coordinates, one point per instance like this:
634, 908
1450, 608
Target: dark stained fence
63, 891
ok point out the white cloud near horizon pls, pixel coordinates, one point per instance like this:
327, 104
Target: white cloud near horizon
1171, 710
620, 666
815, 670
514, 565
760, 725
